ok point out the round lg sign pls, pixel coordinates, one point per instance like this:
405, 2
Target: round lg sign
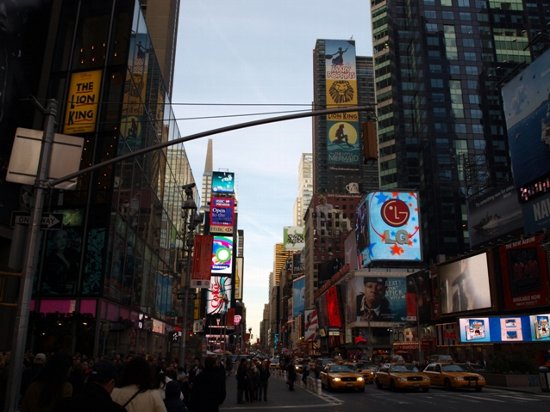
395, 212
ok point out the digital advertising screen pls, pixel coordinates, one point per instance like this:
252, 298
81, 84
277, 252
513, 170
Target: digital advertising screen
223, 182
222, 215
392, 229
218, 297
464, 285
298, 295
502, 329
222, 255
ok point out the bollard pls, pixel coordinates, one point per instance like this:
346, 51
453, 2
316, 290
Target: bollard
319, 386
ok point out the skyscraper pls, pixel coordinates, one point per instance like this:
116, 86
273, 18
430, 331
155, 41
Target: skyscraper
305, 188
439, 66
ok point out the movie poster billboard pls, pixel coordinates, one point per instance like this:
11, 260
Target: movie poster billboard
222, 255
523, 265
375, 297
505, 329
419, 297
218, 296
222, 215
298, 296
82, 102
389, 229
343, 145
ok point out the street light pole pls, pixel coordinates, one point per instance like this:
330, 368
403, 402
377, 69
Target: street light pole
25, 294
189, 220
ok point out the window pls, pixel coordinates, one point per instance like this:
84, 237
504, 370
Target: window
466, 29
472, 70
470, 56
436, 83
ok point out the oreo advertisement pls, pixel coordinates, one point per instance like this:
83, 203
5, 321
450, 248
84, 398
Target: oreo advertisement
391, 224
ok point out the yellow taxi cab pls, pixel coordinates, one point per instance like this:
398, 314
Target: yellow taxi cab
401, 376
367, 370
453, 376
339, 376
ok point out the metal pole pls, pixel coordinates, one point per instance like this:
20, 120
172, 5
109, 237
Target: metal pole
185, 294
25, 291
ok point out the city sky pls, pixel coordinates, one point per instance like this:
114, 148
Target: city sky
234, 52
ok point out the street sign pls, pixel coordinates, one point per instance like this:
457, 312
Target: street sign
48, 221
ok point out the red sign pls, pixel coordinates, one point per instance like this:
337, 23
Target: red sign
202, 259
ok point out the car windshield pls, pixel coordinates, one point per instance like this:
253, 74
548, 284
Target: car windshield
404, 368
452, 368
340, 368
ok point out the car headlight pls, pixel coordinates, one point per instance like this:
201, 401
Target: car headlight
458, 378
336, 379
360, 379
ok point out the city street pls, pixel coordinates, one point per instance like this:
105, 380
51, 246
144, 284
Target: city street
376, 400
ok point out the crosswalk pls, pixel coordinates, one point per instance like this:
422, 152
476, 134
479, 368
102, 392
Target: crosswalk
490, 396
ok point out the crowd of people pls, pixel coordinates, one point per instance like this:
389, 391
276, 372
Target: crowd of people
59, 382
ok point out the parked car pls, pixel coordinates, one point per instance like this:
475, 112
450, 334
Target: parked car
453, 376
401, 376
337, 376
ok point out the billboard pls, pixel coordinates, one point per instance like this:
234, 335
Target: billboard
374, 297
222, 215
501, 329
464, 285
298, 296
524, 273
494, 214
388, 228
343, 144
239, 270
293, 238
222, 255
218, 297
223, 182
419, 297
526, 100
82, 102
332, 300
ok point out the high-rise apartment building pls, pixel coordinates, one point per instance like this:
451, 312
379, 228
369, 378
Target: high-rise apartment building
439, 66
305, 188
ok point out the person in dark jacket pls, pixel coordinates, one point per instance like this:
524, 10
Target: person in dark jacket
209, 387
172, 400
291, 375
264, 379
242, 381
96, 393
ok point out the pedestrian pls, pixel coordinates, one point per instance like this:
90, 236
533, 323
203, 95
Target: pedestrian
305, 373
96, 392
253, 381
173, 399
242, 380
291, 375
50, 386
264, 380
209, 387
136, 392
31, 373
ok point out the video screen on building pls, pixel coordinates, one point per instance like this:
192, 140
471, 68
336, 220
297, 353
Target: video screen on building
464, 284
502, 329
222, 215
218, 297
222, 255
223, 182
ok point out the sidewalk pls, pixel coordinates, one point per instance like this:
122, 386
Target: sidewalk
525, 389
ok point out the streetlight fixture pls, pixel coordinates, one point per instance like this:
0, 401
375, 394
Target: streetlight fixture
190, 222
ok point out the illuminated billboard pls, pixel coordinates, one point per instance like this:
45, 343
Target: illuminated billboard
464, 284
222, 215
218, 297
298, 295
531, 328
222, 255
343, 145
223, 182
389, 228
202, 261
523, 267
293, 238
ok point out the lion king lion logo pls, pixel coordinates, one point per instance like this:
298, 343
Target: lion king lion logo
341, 91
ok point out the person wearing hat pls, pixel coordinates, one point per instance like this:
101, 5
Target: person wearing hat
372, 304
96, 395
